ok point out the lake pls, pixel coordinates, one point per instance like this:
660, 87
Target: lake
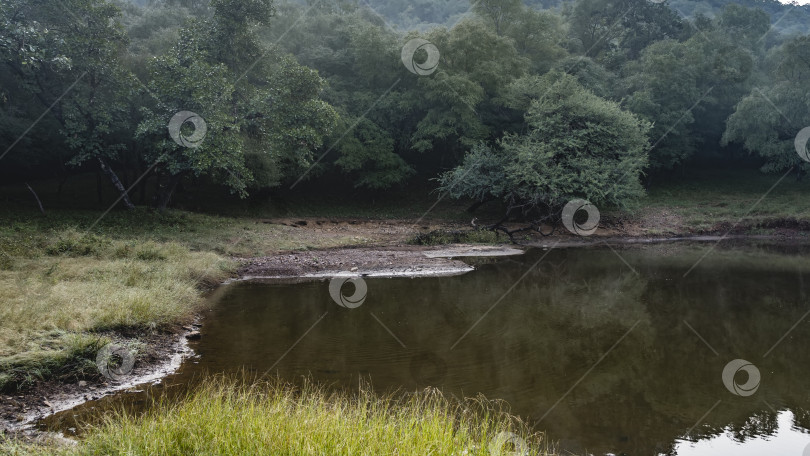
608, 349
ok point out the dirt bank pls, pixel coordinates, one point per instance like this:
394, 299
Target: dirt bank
161, 354
396, 261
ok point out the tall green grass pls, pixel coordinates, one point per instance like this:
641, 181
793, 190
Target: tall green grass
61, 291
227, 416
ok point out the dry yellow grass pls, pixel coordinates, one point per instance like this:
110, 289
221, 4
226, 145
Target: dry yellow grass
75, 284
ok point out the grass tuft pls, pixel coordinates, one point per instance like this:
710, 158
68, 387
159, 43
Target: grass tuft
228, 416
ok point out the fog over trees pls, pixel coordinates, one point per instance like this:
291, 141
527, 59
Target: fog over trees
531, 102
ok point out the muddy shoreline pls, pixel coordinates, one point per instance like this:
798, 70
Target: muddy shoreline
165, 351
161, 356
397, 261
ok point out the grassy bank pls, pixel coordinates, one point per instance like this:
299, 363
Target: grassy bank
72, 277
717, 199
62, 290
229, 417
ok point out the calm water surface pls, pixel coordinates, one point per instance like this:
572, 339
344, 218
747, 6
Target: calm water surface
605, 356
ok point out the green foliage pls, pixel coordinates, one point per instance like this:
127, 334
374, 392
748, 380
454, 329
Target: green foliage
664, 87
254, 101
72, 62
538, 36
185, 81
767, 121
393, 118
614, 31
279, 83
445, 237
369, 153
577, 145
497, 12
688, 89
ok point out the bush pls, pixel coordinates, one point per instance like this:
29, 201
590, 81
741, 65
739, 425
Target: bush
442, 237
577, 145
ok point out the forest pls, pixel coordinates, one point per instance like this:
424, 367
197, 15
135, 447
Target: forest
530, 104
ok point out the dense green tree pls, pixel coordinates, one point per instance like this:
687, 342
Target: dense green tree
184, 81
406, 122
302, 88
72, 66
262, 108
497, 12
767, 121
361, 61
745, 25
688, 89
25, 50
539, 37
614, 31
577, 145
665, 86
460, 102
592, 75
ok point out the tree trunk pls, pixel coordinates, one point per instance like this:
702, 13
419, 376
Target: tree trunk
167, 192
41, 209
99, 189
116, 182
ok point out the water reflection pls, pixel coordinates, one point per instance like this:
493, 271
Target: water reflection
787, 438
604, 358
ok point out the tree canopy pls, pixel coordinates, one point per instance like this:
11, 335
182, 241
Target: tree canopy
576, 145
286, 93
